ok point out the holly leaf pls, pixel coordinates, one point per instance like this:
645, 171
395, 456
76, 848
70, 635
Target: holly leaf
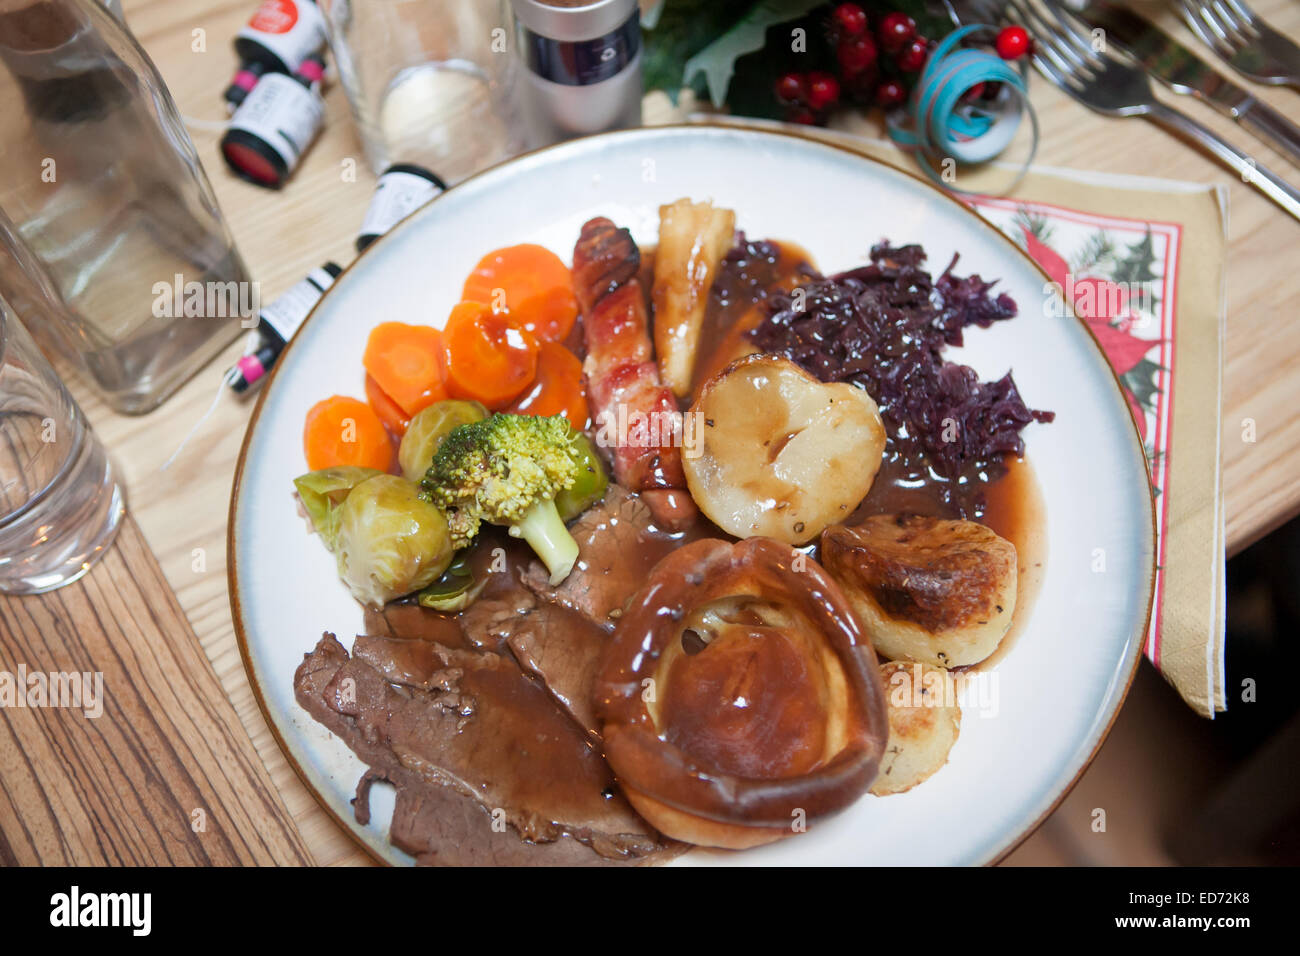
717, 61
1141, 381
681, 29
1136, 264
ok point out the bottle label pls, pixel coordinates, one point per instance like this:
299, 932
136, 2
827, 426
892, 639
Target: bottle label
282, 113
291, 29
287, 312
397, 196
275, 16
583, 62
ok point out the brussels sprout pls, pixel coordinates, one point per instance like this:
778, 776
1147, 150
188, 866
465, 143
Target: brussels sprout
427, 430
455, 590
590, 484
322, 492
390, 541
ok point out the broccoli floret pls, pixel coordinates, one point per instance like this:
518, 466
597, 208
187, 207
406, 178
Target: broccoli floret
507, 470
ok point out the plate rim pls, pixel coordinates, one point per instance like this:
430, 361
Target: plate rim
1137, 639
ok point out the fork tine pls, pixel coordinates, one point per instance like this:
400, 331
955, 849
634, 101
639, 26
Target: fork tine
1051, 53
1053, 39
1062, 76
986, 10
1074, 35
1238, 18
1198, 20
1224, 25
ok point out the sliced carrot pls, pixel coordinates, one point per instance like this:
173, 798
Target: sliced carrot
405, 361
389, 412
346, 431
557, 389
529, 282
487, 357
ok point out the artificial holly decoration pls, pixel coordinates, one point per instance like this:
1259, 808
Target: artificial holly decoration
890, 94
1012, 42
912, 57
851, 18
823, 91
792, 88
856, 53
799, 60
895, 30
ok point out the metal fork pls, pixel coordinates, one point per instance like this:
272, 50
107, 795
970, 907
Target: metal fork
1248, 44
1116, 88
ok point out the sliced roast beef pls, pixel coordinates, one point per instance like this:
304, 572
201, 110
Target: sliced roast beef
618, 544
563, 650
434, 717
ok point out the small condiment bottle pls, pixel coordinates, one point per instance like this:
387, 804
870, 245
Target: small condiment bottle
276, 324
275, 124
402, 189
582, 65
279, 36
241, 85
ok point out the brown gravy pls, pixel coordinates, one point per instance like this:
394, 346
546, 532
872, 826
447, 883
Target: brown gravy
1011, 504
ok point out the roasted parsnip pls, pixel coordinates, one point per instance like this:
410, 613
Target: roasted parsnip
693, 238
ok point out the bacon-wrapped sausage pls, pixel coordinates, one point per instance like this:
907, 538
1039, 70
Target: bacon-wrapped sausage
635, 412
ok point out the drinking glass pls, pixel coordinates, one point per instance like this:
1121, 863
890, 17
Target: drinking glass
60, 504
112, 247
429, 81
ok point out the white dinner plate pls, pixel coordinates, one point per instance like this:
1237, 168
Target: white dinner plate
1057, 690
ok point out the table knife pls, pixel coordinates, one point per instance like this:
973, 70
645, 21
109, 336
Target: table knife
1184, 72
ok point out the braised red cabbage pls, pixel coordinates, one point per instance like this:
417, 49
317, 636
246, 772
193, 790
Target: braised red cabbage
884, 327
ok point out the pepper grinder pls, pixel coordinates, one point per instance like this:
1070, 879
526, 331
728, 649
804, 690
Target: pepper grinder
581, 65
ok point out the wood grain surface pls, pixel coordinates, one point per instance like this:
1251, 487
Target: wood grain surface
182, 511
158, 770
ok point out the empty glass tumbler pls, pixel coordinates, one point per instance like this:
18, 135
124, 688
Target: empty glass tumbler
112, 247
429, 81
59, 502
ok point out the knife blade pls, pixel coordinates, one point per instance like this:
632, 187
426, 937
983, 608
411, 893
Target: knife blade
1186, 73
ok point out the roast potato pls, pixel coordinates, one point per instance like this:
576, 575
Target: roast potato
924, 721
937, 591
782, 454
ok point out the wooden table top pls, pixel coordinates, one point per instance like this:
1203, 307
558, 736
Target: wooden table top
182, 511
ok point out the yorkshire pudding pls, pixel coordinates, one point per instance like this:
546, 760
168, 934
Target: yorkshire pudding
739, 697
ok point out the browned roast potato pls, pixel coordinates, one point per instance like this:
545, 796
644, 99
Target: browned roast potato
926, 589
924, 720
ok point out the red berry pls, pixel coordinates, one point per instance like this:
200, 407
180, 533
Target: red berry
804, 117
895, 30
792, 88
974, 93
890, 93
1012, 43
823, 90
850, 18
856, 54
912, 57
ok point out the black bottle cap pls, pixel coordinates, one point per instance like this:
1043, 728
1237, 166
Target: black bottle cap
415, 170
